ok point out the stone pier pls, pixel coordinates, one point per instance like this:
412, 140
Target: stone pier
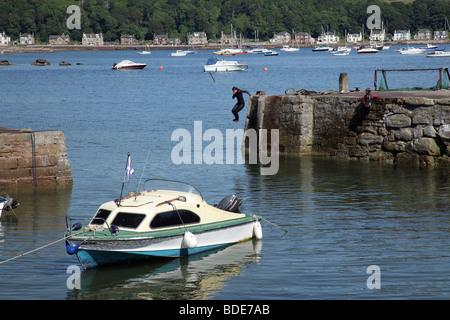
33, 158
401, 127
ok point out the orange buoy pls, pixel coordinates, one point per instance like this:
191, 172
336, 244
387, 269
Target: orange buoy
265, 69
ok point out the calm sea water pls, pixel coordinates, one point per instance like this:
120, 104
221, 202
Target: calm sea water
341, 217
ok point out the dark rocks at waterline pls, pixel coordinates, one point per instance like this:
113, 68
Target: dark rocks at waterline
5, 63
41, 62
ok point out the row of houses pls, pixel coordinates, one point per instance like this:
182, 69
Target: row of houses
375, 35
96, 39
200, 38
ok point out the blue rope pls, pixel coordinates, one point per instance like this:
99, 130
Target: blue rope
32, 153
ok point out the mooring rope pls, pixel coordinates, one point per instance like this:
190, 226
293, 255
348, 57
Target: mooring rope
42, 247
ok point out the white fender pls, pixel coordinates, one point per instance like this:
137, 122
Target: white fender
189, 240
257, 230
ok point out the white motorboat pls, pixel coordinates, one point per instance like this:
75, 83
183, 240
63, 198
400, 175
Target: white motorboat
220, 65
128, 65
255, 50
322, 48
366, 49
179, 53
162, 221
144, 52
236, 51
438, 54
412, 50
271, 53
341, 49
430, 47
341, 53
289, 49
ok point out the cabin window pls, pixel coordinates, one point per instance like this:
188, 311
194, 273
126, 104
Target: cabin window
128, 220
171, 219
100, 216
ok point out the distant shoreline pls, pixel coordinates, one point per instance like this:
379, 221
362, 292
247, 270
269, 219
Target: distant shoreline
51, 48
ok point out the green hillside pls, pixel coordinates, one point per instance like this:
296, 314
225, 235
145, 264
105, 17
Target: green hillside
143, 18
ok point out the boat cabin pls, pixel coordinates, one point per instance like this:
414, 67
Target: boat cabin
155, 210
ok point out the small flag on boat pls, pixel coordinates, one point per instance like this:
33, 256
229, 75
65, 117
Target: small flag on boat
130, 169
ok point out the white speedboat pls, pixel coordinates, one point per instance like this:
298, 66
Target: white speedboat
236, 51
438, 54
430, 47
271, 53
341, 49
161, 221
144, 52
128, 65
412, 50
322, 48
255, 50
219, 65
289, 49
365, 49
341, 53
179, 53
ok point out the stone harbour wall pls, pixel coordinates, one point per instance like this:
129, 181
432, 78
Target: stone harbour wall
29, 158
405, 128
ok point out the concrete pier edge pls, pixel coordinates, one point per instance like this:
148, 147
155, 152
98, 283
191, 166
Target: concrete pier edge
401, 127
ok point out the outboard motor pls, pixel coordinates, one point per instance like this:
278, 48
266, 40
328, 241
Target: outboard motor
230, 203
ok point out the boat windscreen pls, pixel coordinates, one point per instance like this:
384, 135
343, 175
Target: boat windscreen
163, 184
211, 61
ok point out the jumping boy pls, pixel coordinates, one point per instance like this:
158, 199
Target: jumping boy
237, 93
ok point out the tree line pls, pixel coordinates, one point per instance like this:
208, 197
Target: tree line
177, 18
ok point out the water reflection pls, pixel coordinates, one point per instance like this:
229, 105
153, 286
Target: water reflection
40, 214
200, 276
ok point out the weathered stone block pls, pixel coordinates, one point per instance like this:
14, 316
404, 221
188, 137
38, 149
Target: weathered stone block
419, 101
8, 163
403, 134
357, 151
50, 158
382, 132
444, 131
422, 118
397, 146
417, 132
429, 131
398, 121
426, 146
366, 139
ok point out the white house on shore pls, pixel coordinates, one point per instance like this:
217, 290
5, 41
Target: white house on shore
328, 37
4, 39
26, 38
92, 39
401, 35
354, 37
